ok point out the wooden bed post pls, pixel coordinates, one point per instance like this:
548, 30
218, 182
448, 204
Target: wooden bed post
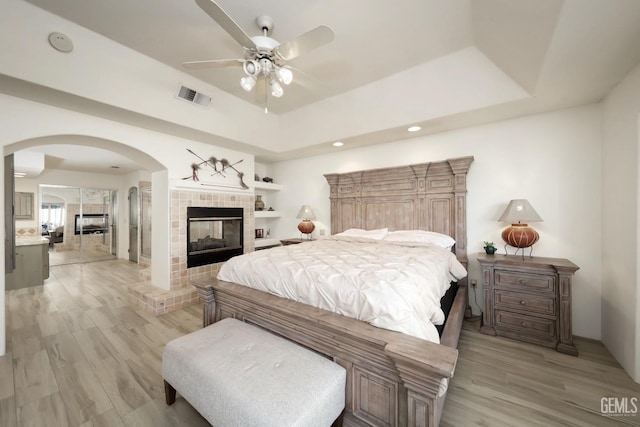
460, 167
423, 388
208, 303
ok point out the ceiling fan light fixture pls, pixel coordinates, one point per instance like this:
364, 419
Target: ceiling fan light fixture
264, 57
251, 67
284, 75
276, 89
247, 83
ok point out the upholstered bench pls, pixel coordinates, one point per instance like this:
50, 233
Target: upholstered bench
236, 374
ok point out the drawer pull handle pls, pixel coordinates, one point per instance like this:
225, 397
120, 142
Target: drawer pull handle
523, 302
523, 324
522, 281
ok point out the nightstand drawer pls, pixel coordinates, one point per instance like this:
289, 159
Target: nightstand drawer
528, 324
524, 302
525, 281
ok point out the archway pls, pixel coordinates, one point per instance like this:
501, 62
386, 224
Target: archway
150, 169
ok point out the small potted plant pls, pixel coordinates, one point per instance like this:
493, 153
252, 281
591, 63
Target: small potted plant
490, 248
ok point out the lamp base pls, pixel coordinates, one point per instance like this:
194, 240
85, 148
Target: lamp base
306, 227
520, 236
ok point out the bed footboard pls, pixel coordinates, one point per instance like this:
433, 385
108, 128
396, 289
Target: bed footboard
392, 379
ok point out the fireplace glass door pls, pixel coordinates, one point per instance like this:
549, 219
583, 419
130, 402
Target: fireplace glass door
213, 235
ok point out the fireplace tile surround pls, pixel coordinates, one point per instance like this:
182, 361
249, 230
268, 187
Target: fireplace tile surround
181, 275
181, 292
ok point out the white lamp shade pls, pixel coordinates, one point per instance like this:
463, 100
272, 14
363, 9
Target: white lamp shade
276, 89
251, 67
284, 75
520, 211
247, 83
306, 213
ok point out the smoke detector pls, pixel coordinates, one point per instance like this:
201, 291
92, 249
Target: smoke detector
60, 42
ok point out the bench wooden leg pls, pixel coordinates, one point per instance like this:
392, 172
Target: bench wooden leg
169, 393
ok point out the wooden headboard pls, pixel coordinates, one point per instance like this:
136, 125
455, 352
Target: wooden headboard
426, 196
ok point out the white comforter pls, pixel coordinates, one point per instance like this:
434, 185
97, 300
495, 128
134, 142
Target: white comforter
396, 286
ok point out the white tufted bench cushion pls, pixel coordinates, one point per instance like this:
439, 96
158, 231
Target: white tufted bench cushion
235, 374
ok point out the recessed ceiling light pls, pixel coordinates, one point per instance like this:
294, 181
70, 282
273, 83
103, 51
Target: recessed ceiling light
414, 128
338, 144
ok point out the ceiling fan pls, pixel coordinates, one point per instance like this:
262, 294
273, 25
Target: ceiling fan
264, 57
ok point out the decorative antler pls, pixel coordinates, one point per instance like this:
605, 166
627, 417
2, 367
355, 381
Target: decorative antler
194, 168
213, 163
241, 176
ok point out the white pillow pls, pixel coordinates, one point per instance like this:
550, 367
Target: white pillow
367, 234
421, 236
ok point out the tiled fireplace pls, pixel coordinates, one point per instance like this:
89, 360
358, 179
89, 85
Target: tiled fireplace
182, 294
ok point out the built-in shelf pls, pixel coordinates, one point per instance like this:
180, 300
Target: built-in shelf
266, 243
268, 214
264, 218
260, 185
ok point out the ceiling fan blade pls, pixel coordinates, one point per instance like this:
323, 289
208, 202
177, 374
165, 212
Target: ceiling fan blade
213, 63
310, 40
229, 25
302, 78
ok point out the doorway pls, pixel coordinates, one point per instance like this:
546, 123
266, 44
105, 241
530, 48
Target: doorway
78, 222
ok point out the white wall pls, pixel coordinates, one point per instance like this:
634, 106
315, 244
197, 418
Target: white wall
620, 199
551, 159
160, 231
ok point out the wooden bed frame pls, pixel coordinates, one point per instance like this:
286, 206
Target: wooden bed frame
392, 379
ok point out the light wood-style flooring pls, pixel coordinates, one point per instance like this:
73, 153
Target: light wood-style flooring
60, 256
79, 354
500, 382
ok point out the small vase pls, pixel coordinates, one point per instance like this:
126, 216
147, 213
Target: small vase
490, 251
259, 206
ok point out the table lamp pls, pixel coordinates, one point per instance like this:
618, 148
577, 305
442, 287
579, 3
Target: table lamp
519, 213
306, 226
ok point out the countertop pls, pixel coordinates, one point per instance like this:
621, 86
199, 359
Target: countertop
31, 240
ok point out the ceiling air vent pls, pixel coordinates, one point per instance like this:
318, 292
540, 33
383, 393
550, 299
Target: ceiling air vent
193, 97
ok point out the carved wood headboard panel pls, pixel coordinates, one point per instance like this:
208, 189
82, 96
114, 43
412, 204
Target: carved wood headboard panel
426, 196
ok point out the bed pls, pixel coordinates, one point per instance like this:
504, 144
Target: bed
394, 378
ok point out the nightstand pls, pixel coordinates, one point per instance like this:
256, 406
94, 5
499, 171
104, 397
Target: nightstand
294, 241
528, 299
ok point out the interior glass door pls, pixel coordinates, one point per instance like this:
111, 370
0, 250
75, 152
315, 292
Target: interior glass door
92, 225
77, 222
